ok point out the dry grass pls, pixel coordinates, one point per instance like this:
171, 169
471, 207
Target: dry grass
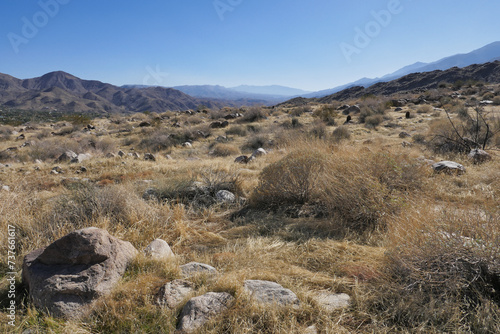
416, 251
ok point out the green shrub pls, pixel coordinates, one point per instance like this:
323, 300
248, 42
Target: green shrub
327, 114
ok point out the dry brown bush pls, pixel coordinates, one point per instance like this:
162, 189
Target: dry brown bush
224, 150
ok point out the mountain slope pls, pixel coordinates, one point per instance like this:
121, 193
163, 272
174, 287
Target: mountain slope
488, 53
415, 82
64, 92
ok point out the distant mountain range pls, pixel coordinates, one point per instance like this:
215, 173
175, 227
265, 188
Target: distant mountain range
415, 82
488, 53
66, 93
244, 94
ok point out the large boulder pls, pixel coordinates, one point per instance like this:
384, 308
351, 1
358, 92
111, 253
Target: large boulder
333, 301
266, 292
199, 310
173, 293
449, 167
72, 272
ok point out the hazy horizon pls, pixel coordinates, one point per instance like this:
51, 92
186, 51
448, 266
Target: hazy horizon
310, 46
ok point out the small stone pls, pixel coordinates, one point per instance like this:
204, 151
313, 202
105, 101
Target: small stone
479, 156
267, 292
333, 301
449, 167
173, 293
225, 196
195, 268
159, 249
149, 157
404, 134
199, 310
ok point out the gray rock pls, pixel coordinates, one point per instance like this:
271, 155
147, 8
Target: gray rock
149, 157
242, 159
110, 155
225, 196
173, 293
72, 272
479, 156
199, 310
81, 157
187, 144
267, 292
6, 188
150, 194
333, 301
67, 156
311, 330
134, 155
352, 109
259, 152
404, 134
449, 167
195, 268
121, 153
158, 249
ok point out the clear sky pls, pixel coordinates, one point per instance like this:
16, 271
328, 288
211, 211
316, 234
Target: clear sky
307, 44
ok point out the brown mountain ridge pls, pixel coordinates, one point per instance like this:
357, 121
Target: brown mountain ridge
67, 93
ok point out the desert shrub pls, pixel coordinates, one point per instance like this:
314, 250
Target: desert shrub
255, 142
217, 114
357, 190
5, 132
237, 130
443, 270
291, 180
327, 114
341, 133
199, 190
253, 114
51, 148
318, 130
224, 150
419, 138
425, 109
373, 121
298, 111
86, 203
291, 124
496, 100
158, 141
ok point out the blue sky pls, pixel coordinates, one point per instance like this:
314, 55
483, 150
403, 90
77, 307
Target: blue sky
311, 45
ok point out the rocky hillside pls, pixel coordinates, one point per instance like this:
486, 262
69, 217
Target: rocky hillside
415, 82
64, 92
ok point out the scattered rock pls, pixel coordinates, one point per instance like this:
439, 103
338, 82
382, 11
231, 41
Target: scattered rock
352, 109
67, 156
406, 144
398, 109
187, 144
121, 153
57, 170
242, 159
158, 249
144, 124
219, 124
311, 330
259, 152
348, 120
74, 271
150, 194
407, 115
267, 292
149, 157
199, 310
168, 157
81, 157
173, 293
404, 134
195, 268
225, 196
449, 167
333, 301
6, 188
21, 137
134, 155
479, 156
110, 155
